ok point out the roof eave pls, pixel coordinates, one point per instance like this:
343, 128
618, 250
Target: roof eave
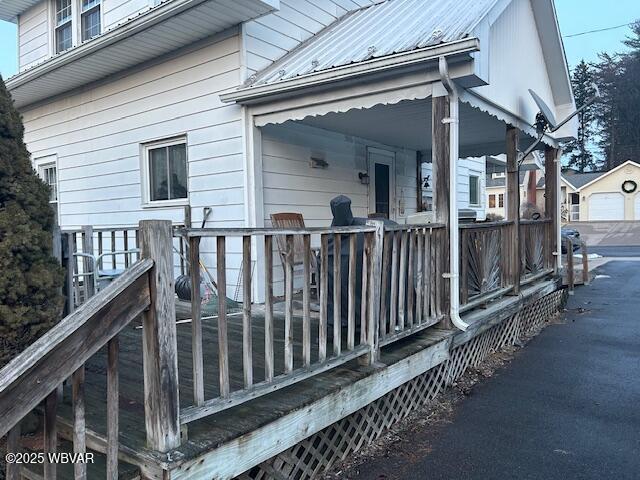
254, 94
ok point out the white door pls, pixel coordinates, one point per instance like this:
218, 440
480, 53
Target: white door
606, 206
382, 195
637, 206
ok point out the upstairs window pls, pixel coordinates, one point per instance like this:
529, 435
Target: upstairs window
165, 171
64, 29
90, 18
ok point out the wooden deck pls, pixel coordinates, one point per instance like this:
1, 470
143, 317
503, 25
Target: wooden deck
132, 431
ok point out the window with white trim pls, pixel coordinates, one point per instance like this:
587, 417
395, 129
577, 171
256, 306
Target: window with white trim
474, 190
63, 33
165, 171
89, 18
49, 175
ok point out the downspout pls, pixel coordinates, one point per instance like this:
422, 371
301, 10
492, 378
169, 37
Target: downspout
454, 230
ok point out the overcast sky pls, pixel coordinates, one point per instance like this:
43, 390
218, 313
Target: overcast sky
575, 16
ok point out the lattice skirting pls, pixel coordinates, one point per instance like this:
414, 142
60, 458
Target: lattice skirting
322, 450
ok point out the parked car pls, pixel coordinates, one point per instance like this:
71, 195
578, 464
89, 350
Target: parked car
574, 235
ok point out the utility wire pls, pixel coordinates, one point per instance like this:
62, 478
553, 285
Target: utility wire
598, 30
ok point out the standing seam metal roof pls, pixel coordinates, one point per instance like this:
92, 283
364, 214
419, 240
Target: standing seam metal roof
382, 29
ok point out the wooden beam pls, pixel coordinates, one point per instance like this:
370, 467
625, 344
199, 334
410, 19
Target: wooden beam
160, 356
51, 359
440, 131
551, 195
513, 206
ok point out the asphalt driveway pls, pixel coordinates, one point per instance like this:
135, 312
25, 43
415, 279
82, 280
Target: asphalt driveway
565, 408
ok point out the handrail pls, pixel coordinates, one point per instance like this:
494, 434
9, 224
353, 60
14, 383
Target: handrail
238, 232
534, 222
31, 376
480, 225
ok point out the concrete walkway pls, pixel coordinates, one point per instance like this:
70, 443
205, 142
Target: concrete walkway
567, 407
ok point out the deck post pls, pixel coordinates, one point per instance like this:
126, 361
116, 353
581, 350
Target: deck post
551, 193
513, 207
87, 264
373, 328
440, 131
159, 342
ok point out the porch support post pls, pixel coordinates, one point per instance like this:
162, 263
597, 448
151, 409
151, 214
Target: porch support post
551, 205
440, 131
513, 207
159, 340
254, 198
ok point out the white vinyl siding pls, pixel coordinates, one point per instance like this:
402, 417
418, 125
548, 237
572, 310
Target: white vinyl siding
33, 35
97, 135
271, 36
118, 11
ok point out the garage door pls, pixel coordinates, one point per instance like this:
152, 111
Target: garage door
637, 206
606, 206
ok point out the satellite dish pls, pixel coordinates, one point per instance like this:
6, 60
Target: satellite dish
544, 110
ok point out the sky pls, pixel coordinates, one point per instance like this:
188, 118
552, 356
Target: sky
575, 16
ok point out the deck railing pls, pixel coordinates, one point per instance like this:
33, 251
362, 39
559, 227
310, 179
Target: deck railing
410, 291
536, 252
328, 338
484, 269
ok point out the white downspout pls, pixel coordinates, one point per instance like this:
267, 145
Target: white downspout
454, 231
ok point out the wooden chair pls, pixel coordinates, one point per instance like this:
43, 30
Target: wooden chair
294, 220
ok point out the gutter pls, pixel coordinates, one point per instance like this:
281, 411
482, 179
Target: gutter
353, 71
454, 230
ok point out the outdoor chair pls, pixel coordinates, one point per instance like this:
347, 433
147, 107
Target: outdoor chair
294, 220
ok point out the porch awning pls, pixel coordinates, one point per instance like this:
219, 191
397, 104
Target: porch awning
160, 30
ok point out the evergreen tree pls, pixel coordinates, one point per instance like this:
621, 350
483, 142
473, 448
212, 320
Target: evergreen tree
581, 158
30, 277
618, 114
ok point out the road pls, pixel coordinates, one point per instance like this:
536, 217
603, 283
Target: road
565, 408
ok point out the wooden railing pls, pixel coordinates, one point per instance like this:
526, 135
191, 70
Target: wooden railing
35, 375
336, 335
484, 269
411, 282
536, 257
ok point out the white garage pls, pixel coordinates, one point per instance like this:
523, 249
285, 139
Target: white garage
606, 206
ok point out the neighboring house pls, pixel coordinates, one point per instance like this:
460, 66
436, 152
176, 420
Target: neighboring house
601, 196
496, 195
471, 186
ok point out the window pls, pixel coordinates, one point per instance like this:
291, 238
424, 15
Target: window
474, 190
63, 25
501, 200
90, 18
49, 175
165, 168
492, 201
498, 174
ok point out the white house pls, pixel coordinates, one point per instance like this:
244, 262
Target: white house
136, 108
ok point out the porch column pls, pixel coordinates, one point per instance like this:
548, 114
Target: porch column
440, 131
551, 204
513, 206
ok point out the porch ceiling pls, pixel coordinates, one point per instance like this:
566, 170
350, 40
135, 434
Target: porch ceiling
407, 124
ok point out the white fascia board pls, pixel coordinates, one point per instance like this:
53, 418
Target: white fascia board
349, 72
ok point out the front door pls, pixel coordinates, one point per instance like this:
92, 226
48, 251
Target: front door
381, 183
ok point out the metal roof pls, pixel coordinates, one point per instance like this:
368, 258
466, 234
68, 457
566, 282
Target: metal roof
390, 27
155, 32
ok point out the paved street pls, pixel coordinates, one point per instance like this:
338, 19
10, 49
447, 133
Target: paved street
565, 408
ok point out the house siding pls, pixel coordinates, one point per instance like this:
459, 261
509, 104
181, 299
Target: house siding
466, 167
33, 35
97, 135
118, 11
271, 36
